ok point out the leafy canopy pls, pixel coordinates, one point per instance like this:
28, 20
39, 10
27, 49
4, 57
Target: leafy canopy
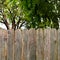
42, 13
30, 13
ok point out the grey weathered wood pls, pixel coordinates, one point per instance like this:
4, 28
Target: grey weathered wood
3, 49
18, 45
22, 52
52, 44
54, 47
10, 45
32, 44
59, 44
28, 48
47, 44
39, 45
0, 44
25, 48
4, 45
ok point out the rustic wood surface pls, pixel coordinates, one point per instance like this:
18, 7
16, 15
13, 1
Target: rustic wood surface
40, 44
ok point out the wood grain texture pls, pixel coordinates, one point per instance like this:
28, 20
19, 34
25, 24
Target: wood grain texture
40, 44
17, 45
4, 41
59, 44
25, 48
47, 44
54, 43
32, 44
10, 43
1, 44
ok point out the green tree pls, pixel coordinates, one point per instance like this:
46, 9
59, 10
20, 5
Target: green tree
30, 13
41, 13
11, 14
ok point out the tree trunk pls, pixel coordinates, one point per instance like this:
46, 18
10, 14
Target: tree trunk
13, 25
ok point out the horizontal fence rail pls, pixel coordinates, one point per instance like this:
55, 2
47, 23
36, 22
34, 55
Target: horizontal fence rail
41, 44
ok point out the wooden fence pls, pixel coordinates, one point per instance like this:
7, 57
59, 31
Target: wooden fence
30, 44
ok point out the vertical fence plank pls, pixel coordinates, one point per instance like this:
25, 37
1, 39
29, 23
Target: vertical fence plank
28, 48
32, 44
59, 44
10, 44
47, 44
39, 45
18, 45
25, 45
22, 54
0, 44
54, 45
4, 41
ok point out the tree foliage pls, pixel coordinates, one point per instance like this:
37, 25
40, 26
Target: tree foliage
42, 13
11, 14
30, 13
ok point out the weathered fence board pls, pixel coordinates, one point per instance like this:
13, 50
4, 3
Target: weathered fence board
59, 44
40, 44
54, 47
4, 44
24, 45
10, 45
17, 45
0, 44
46, 44
52, 44
32, 45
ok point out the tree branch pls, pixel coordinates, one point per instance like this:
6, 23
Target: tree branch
18, 23
5, 22
13, 23
21, 24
